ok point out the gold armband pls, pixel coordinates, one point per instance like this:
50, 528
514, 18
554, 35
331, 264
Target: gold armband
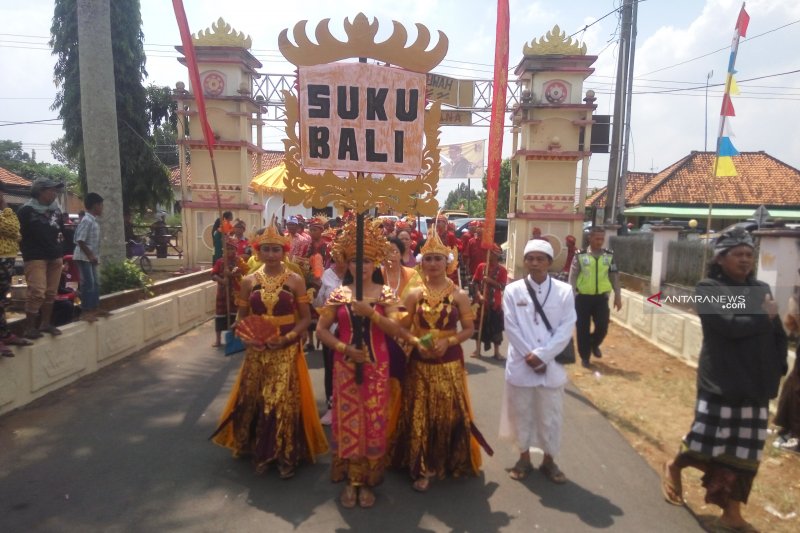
469, 315
452, 340
340, 347
292, 335
303, 299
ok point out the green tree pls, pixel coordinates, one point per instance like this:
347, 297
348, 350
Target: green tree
145, 179
11, 153
162, 113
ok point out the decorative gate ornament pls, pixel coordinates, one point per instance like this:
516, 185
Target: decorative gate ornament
362, 123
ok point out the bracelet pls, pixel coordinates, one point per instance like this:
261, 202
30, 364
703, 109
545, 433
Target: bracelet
452, 340
292, 335
374, 315
340, 347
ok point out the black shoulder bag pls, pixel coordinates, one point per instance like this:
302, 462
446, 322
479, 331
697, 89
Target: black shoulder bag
567, 355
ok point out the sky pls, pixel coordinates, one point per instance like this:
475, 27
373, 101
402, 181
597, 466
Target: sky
679, 44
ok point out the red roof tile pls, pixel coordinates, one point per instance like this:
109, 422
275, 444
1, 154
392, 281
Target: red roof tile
9, 178
269, 159
636, 181
762, 179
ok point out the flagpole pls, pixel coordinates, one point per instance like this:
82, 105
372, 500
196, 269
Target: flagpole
727, 109
484, 291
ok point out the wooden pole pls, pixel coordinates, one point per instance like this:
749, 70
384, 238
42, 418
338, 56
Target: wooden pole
484, 290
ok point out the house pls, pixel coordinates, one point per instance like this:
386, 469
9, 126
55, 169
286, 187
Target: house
18, 191
684, 190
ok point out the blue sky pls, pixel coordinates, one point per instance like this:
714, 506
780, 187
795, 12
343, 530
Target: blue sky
675, 42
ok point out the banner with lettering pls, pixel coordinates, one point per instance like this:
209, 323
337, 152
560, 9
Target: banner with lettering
361, 118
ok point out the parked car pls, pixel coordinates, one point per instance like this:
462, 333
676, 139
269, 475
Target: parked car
500, 228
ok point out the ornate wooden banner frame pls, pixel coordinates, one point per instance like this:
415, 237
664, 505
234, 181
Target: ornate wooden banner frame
362, 191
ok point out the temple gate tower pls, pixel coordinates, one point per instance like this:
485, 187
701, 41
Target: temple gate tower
547, 128
227, 73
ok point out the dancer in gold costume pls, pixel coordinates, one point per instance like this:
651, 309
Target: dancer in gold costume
271, 413
436, 434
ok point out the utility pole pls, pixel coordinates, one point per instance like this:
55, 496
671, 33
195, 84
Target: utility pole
623, 182
705, 131
620, 96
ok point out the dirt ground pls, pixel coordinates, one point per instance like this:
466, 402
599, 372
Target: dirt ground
649, 397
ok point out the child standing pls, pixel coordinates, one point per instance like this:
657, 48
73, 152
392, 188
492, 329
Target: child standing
87, 256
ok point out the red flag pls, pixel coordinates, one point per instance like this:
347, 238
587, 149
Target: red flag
496, 126
194, 73
742, 22
727, 106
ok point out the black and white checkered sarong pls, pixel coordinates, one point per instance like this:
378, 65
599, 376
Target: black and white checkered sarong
734, 434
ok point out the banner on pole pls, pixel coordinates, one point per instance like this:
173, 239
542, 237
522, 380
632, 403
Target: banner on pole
463, 161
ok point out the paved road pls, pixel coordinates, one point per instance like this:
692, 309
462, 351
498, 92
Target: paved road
125, 449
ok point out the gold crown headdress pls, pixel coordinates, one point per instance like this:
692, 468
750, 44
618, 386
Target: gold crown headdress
435, 246
271, 235
375, 243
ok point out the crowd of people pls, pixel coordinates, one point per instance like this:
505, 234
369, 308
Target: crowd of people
396, 391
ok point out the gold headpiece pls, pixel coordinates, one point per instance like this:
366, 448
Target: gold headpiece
375, 244
435, 246
271, 235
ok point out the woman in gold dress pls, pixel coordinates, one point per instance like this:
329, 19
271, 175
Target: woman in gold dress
360, 405
436, 433
271, 413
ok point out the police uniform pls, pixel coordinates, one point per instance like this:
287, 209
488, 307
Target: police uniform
593, 277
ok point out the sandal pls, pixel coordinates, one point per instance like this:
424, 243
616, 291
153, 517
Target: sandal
673, 493
51, 329
13, 340
285, 472
5, 351
421, 484
32, 334
348, 497
553, 473
366, 498
520, 471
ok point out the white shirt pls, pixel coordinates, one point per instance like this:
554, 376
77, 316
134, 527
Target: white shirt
329, 282
527, 334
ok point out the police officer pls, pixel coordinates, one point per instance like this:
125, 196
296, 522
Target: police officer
593, 276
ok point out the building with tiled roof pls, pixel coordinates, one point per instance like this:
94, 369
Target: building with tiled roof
683, 189
16, 188
269, 159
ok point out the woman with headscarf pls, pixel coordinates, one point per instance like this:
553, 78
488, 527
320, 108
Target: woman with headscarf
436, 434
360, 373
742, 359
271, 413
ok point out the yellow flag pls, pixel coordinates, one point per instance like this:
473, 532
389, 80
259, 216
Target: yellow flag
734, 88
725, 167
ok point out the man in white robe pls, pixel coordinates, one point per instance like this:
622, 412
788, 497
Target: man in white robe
534, 389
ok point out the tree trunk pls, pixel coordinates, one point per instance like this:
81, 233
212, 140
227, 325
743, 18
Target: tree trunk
99, 116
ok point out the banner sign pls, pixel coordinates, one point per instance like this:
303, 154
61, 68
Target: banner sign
450, 117
361, 118
462, 161
449, 91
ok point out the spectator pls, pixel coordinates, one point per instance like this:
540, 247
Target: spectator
87, 256
593, 276
239, 227
67, 235
160, 235
219, 230
40, 224
787, 418
742, 358
539, 316
495, 277
9, 246
571, 249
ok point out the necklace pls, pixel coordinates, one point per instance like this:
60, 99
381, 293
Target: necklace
399, 276
433, 301
270, 287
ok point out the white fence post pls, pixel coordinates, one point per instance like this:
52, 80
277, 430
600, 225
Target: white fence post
662, 236
778, 262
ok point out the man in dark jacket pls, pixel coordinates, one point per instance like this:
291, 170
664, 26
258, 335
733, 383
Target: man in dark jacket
40, 224
742, 359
